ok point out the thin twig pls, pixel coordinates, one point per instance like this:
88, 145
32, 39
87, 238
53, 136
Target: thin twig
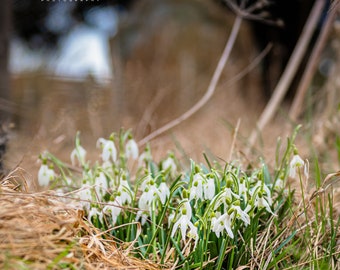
211, 88
311, 66
234, 139
257, 60
289, 72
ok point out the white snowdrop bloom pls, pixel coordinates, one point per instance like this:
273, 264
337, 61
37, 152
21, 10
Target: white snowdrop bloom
242, 214
184, 222
143, 216
124, 191
193, 234
131, 149
169, 165
85, 196
109, 149
95, 212
221, 223
150, 193
243, 190
196, 189
164, 192
144, 207
226, 196
79, 154
295, 165
279, 184
145, 182
114, 209
101, 185
209, 188
108, 167
145, 157
263, 202
45, 175
264, 191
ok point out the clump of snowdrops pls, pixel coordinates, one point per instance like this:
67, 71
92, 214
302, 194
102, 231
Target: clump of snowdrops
205, 216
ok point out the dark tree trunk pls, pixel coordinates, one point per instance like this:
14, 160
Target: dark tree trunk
5, 33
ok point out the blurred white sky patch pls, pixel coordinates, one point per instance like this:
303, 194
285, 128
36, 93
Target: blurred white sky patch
23, 59
84, 50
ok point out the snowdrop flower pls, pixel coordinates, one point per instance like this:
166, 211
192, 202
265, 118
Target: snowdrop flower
85, 196
279, 184
150, 193
196, 190
263, 202
149, 186
144, 206
114, 209
164, 192
209, 188
131, 149
108, 167
242, 214
78, 153
101, 185
295, 165
263, 188
226, 197
221, 223
45, 175
124, 190
95, 212
193, 235
145, 157
242, 189
109, 149
169, 165
184, 222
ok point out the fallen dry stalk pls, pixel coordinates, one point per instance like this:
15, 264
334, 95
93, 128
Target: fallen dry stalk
289, 72
211, 88
38, 231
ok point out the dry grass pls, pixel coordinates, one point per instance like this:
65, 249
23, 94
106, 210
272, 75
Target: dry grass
41, 231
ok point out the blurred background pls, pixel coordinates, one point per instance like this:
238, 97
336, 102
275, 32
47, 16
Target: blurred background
97, 66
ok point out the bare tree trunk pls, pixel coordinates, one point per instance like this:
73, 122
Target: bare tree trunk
5, 32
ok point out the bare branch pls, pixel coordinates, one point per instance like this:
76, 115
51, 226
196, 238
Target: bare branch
312, 63
211, 88
289, 72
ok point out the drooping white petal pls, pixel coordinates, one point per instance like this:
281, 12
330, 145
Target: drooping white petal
131, 149
101, 184
95, 212
184, 221
209, 189
109, 149
85, 196
295, 165
196, 189
242, 215
221, 223
125, 191
45, 175
169, 165
164, 192
78, 154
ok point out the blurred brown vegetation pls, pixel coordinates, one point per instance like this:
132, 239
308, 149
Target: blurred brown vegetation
164, 55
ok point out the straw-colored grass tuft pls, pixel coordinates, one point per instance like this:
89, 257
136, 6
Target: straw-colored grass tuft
41, 231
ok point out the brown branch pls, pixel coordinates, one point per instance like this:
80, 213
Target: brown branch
308, 74
211, 88
289, 72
